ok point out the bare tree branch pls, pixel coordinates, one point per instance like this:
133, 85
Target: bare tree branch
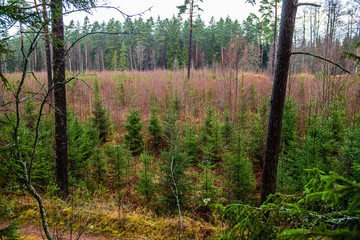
308, 4
322, 58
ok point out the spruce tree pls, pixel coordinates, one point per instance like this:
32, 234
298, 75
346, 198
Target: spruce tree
154, 129
120, 88
207, 177
99, 164
227, 129
120, 158
81, 147
174, 183
239, 177
211, 137
145, 184
191, 143
100, 117
351, 151
133, 139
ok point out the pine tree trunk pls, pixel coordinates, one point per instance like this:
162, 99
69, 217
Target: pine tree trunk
47, 52
190, 37
274, 41
61, 172
272, 149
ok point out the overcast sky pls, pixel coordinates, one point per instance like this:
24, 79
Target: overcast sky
235, 9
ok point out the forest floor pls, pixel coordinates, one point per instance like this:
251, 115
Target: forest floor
105, 219
31, 232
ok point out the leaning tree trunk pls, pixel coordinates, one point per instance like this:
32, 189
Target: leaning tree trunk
272, 148
61, 172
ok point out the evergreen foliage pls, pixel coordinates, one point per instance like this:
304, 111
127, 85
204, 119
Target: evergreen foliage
121, 92
227, 129
145, 184
154, 128
350, 151
100, 119
120, 159
123, 59
211, 137
329, 209
43, 165
288, 132
99, 164
10, 232
207, 178
174, 184
29, 115
191, 143
133, 139
258, 132
239, 177
81, 147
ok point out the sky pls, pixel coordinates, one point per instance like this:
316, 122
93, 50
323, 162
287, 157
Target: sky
235, 9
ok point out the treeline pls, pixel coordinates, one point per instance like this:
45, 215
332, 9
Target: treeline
147, 44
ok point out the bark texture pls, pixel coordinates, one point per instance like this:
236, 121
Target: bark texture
272, 149
48, 52
61, 172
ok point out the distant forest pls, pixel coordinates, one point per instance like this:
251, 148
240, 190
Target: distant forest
139, 44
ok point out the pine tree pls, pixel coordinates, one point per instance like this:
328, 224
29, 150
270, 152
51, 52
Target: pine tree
134, 139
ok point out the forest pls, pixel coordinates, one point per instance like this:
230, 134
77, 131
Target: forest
178, 128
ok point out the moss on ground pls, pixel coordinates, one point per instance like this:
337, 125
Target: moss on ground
114, 221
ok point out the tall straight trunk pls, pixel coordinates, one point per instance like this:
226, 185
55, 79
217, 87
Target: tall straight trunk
274, 41
86, 56
61, 158
190, 38
272, 149
47, 52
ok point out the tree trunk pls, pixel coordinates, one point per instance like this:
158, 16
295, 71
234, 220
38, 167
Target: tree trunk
61, 172
274, 41
190, 37
272, 148
47, 52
